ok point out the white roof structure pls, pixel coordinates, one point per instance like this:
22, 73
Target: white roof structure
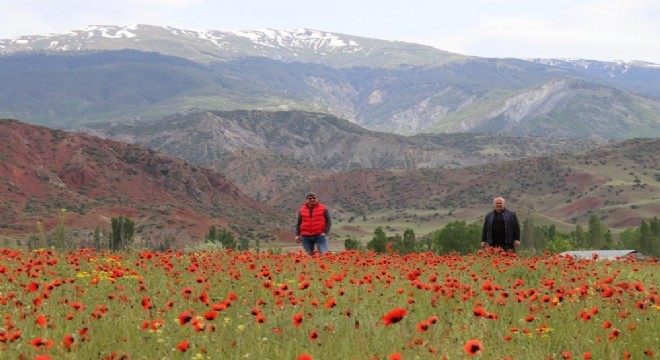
603, 254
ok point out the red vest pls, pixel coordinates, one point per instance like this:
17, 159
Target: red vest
312, 223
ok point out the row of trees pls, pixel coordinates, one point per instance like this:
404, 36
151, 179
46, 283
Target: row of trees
463, 238
121, 236
225, 239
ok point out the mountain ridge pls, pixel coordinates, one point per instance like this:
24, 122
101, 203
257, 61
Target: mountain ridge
304, 45
94, 179
314, 142
150, 71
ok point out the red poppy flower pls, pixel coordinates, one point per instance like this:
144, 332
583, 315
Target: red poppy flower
186, 292
68, 341
297, 319
473, 347
219, 307
146, 303
395, 356
394, 316
304, 357
642, 305
422, 326
40, 342
204, 297
614, 334
42, 357
185, 318
330, 303
648, 352
183, 346
479, 312
32, 287
313, 335
41, 320
587, 355
211, 315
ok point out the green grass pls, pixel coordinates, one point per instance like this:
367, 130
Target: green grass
345, 301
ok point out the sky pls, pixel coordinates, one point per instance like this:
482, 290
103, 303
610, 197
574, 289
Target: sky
604, 30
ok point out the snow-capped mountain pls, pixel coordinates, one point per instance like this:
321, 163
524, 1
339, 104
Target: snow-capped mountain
637, 76
214, 45
108, 73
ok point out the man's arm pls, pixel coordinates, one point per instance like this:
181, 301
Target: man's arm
328, 221
484, 241
298, 222
516, 230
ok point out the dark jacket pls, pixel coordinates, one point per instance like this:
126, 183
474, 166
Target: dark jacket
313, 221
511, 227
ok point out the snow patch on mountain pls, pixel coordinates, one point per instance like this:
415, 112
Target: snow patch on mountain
298, 39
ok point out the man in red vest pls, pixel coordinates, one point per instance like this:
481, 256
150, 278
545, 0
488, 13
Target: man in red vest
313, 225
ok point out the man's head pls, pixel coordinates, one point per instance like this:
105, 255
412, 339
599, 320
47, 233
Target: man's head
311, 198
498, 204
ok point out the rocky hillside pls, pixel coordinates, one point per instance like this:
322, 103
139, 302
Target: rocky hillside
620, 183
110, 73
265, 153
46, 170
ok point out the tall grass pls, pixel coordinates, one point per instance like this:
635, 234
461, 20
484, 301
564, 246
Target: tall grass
243, 305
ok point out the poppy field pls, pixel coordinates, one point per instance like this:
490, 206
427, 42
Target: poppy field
88, 304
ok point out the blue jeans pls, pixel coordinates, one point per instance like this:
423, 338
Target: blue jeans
320, 241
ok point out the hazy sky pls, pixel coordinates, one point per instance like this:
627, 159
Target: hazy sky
588, 29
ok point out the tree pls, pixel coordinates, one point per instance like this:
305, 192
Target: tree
551, 233
409, 245
608, 240
645, 237
558, 245
351, 243
396, 243
630, 238
41, 243
379, 242
654, 228
527, 234
580, 237
60, 231
227, 240
97, 238
212, 236
458, 237
222, 237
123, 231
243, 244
595, 232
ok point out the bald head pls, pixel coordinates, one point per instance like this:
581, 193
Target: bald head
498, 203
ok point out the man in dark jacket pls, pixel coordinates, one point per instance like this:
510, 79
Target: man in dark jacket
313, 225
501, 228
